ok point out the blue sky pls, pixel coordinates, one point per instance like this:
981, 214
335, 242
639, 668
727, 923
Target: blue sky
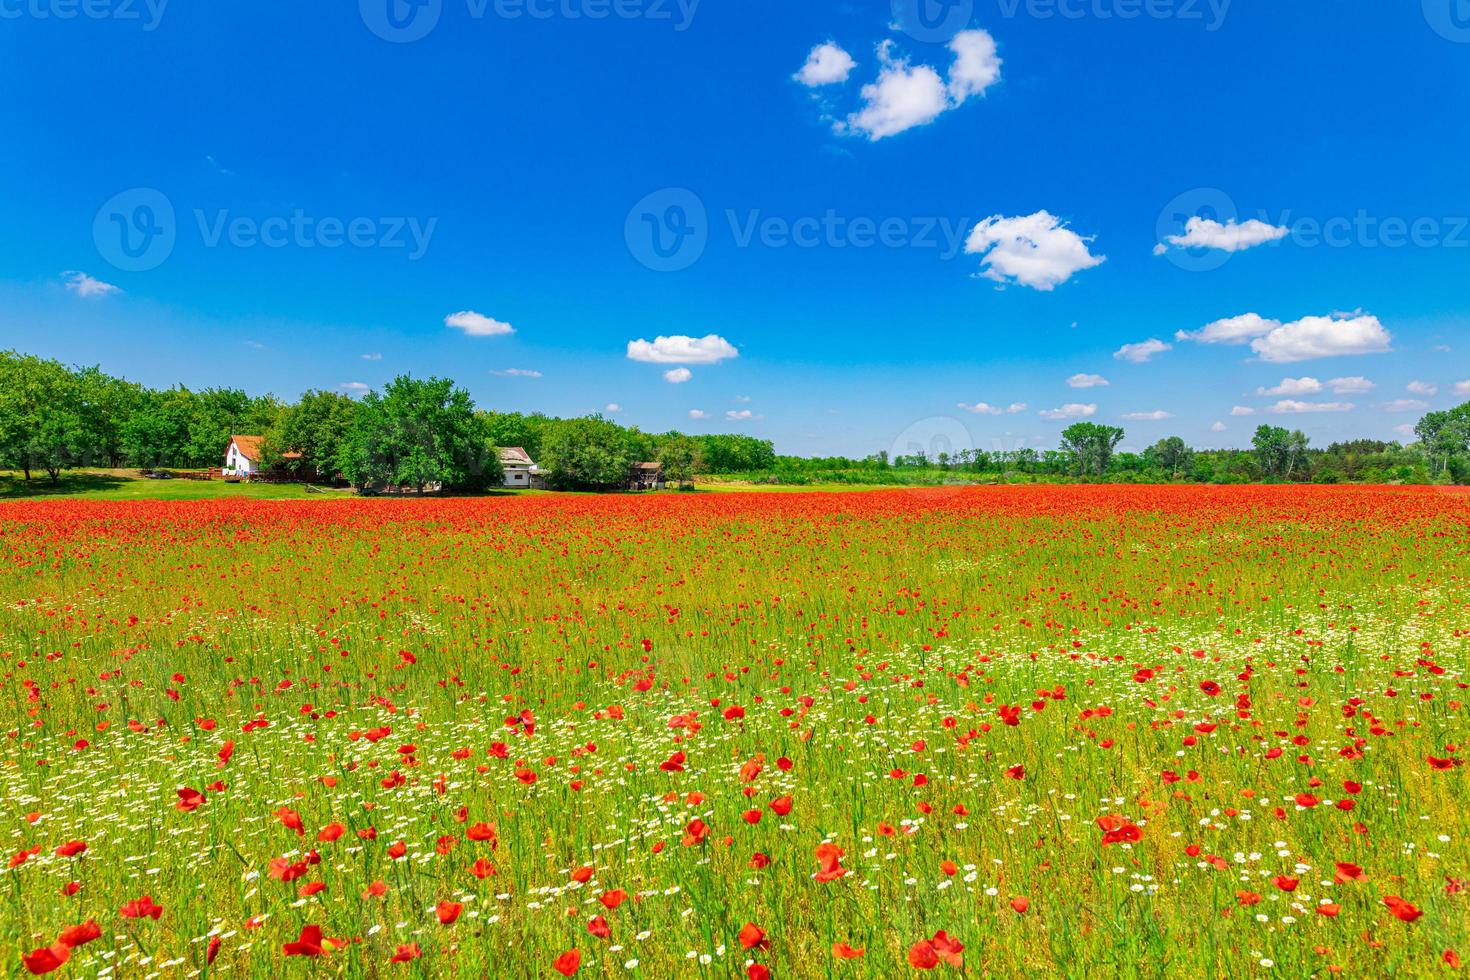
815, 173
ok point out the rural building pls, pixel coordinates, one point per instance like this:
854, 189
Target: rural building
245, 457
520, 469
645, 476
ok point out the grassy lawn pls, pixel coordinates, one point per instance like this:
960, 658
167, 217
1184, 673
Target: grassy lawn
127, 485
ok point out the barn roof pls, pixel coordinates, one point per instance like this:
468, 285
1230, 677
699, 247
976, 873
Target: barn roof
515, 456
249, 446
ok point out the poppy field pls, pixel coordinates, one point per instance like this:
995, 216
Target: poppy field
993, 731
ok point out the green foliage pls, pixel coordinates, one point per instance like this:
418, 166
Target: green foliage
1091, 446
679, 456
418, 433
586, 454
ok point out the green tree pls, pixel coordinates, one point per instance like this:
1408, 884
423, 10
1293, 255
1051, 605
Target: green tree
1443, 436
1280, 452
587, 454
1170, 455
44, 422
679, 456
1091, 446
419, 433
316, 427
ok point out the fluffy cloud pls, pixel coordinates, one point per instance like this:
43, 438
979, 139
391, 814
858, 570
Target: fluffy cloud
477, 325
1292, 387
1291, 407
1037, 250
613, 408
1406, 405
87, 287
677, 376
1462, 388
1072, 411
1240, 410
1232, 330
1335, 335
1229, 237
372, 357
983, 408
826, 65
1311, 337
1141, 352
1157, 416
744, 415
906, 96
1087, 381
1356, 385
679, 349
1219, 427
516, 373
355, 387
698, 414
1425, 388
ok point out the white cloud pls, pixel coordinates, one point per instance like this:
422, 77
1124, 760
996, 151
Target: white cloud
1462, 388
1087, 381
1157, 416
1426, 388
1141, 352
983, 408
87, 287
976, 65
905, 96
1231, 330
355, 387
1240, 410
1292, 387
744, 415
1335, 335
1071, 411
679, 349
1037, 250
1219, 427
677, 376
696, 414
517, 373
1406, 405
1311, 337
1291, 407
1405, 429
613, 408
827, 64
1229, 237
477, 325
372, 357
1355, 385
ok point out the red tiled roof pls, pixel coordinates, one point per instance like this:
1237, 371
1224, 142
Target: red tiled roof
249, 446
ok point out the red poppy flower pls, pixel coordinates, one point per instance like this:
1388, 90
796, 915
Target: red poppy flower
567, 963
46, 959
448, 911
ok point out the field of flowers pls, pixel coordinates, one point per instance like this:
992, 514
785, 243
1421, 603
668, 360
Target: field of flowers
1005, 731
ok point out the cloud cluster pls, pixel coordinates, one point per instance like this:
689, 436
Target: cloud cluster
1311, 337
680, 349
827, 64
477, 324
1087, 381
1141, 352
1037, 250
87, 287
983, 408
1228, 237
1071, 411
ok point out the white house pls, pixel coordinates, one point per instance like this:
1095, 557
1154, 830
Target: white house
520, 469
243, 456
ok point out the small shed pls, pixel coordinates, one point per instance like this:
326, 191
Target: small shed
520, 469
645, 476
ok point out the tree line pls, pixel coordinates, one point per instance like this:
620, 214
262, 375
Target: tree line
415, 432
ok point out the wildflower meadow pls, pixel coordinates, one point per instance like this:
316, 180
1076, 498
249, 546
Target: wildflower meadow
1080, 731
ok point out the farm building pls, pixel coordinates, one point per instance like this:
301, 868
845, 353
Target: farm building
645, 476
245, 457
520, 469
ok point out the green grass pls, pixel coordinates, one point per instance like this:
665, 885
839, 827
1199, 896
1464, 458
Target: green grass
125, 485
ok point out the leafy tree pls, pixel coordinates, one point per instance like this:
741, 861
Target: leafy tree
679, 456
1445, 435
1091, 445
1280, 452
316, 427
1171, 455
587, 454
43, 419
515, 429
418, 433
